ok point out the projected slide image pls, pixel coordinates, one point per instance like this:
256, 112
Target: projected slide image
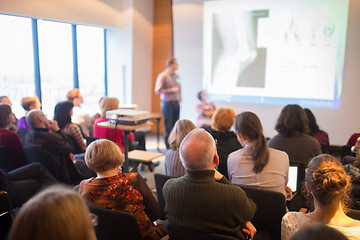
235, 50
275, 51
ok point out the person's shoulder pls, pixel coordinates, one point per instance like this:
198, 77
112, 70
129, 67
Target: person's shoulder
234, 155
278, 153
293, 217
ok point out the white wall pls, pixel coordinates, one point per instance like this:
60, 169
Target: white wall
339, 123
92, 12
129, 26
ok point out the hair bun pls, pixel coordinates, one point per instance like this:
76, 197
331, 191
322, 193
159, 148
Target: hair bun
331, 179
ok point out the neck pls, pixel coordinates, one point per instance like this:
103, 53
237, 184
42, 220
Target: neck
108, 173
6, 127
331, 214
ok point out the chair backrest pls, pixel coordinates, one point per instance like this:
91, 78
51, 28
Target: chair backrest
34, 155
5, 160
354, 213
179, 233
160, 180
115, 225
271, 207
6, 214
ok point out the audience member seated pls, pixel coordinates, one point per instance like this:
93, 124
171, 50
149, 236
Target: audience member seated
173, 165
5, 99
28, 103
204, 200
355, 153
45, 135
226, 141
93, 119
56, 213
255, 164
108, 104
79, 115
125, 192
10, 140
24, 182
328, 184
353, 138
205, 111
62, 114
293, 128
320, 135
318, 232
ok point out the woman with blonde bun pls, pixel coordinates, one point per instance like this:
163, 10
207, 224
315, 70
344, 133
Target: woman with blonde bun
328, 183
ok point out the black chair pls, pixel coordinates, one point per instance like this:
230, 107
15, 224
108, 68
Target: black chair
44, 158
354, 213
5, 160
6, 214
160, 180
114, 225
271, 208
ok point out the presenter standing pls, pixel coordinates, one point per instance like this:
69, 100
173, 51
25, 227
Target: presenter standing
168, 86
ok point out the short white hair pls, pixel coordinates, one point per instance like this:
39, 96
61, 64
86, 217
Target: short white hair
197, 150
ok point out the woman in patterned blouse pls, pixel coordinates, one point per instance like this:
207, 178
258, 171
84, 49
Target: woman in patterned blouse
62, 114
125, 192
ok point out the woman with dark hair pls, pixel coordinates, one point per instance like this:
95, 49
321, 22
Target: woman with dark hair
226, 141
328, 184
292, 138
62, 114
9, 139
320, 135
256, 164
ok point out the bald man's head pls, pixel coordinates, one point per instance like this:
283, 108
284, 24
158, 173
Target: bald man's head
197, 150
36, 119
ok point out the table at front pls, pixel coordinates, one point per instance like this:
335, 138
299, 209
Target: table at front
127, 129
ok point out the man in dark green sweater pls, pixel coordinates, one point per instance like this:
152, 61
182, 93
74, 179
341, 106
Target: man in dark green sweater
204, 200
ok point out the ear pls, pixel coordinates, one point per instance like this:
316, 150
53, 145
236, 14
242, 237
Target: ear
216, 159
242, 136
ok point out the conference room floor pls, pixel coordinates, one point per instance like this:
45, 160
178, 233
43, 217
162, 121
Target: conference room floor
151, 145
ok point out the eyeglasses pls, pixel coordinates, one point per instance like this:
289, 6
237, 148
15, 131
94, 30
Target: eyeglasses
94, 219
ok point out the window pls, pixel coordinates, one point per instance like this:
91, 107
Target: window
91, 68
16, 60
56, 63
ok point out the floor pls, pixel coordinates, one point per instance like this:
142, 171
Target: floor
151, 145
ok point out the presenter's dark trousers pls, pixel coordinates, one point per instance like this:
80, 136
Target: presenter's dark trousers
171, 111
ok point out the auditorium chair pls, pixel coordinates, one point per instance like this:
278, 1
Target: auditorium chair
271, 207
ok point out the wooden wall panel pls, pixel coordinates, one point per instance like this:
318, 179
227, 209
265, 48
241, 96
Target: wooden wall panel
162, 47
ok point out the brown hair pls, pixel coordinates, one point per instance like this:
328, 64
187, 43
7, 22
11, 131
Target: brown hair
26, 102
223, 119
327, 180
179, 131
108, 104
102, 155
5, 111
56, 213
248, 124
170, 61
292, 119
